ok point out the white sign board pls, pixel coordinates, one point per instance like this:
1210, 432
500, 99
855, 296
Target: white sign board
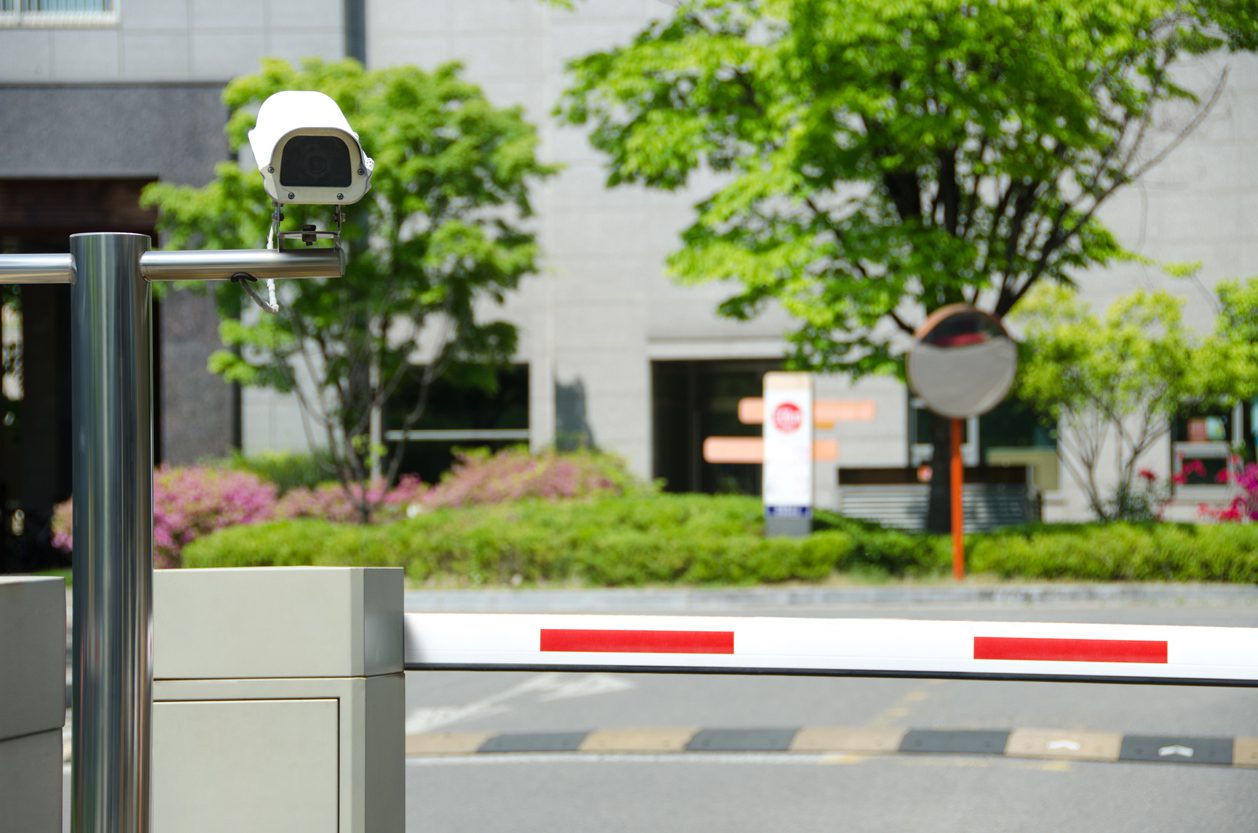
788, 439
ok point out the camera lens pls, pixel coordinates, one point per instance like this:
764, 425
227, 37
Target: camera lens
315, 161
316, 165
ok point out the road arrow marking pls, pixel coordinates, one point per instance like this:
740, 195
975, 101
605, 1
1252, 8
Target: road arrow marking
588, 686
1073, 746
1175, 749
545, 687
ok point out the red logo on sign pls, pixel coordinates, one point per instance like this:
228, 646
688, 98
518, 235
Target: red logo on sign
787, 417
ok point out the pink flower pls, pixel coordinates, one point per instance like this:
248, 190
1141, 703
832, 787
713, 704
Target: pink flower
1244, 503
516, 474
1148, 475
189, 502
333, 502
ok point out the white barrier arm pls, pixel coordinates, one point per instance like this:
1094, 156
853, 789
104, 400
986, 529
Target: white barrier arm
1168, 654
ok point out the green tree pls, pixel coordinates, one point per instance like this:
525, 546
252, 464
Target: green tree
1236, 330
879, 159
438, 237
1114, 383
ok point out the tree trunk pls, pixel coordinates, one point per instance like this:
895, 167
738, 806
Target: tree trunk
357, 415
939, 510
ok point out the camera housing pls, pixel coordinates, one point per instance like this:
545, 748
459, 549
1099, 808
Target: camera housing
306, 151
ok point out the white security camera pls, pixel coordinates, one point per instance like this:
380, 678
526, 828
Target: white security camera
307, 152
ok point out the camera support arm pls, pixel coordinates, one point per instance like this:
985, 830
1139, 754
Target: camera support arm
168, 266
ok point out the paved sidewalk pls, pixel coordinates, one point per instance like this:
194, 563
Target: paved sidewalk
752, 598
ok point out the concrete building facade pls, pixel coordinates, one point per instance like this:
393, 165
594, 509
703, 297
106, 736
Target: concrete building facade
615, 353
97, 98
603, 321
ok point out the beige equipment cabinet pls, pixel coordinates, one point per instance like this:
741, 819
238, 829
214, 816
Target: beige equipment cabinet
32, 702
278, 701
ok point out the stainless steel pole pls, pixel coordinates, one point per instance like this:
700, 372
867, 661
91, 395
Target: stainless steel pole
111, 360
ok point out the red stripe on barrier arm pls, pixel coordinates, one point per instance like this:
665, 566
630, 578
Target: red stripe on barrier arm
1069, 650
638, 642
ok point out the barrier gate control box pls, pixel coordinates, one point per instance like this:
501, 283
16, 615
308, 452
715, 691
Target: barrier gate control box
278, 700
32, 702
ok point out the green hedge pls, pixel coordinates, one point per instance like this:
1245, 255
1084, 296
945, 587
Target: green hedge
287, 470
650, 539
697, 539
1120, 552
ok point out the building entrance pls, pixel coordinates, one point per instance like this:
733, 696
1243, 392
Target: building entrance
692, 400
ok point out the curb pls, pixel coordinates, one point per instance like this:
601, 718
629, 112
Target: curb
1042, 744
748, 598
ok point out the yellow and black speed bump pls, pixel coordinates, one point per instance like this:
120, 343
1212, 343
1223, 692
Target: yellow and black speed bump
1045, 744
955, 741
741, 740
534, 742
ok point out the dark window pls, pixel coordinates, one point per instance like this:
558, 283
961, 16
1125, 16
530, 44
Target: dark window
1203, 429
1201, 446
1011, 434
459, 415
922, 424
58, 6
38, 216
694, 400
1014, 424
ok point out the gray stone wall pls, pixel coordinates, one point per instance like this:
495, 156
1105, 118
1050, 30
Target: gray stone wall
171, 132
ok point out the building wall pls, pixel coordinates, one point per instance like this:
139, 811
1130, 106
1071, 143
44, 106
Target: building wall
173, 40
603, 306
144, 89
1199, 205
138, 95
166, 131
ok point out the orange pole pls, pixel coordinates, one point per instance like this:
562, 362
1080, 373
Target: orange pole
958, 511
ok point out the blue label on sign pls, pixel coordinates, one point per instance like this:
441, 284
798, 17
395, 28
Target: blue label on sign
788, 511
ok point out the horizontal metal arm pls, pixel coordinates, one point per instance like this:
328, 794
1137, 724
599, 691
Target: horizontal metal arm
261, 263
35, 268
186, 265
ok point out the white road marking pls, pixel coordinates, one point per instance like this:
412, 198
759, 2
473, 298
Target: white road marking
590, 685
1073, 746
1175, 749
549, 686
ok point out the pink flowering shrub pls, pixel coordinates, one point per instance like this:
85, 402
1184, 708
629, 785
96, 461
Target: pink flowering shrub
516, 474
189, 502
1244, 504
331, 501
1193, 470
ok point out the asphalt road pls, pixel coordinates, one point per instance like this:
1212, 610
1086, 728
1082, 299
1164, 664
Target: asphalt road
800, 792
895, 793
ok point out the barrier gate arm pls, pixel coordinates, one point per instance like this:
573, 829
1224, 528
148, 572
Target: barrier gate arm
1040, 651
